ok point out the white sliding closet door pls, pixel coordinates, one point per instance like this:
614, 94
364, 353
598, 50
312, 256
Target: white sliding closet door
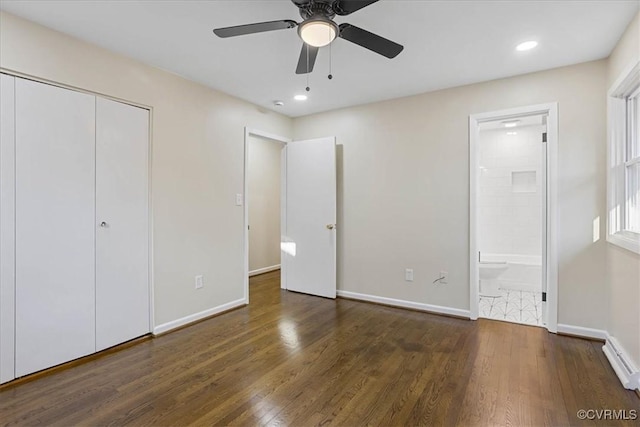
55, 225
122, 212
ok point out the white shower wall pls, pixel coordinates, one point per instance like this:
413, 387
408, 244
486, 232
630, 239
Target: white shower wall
510, 185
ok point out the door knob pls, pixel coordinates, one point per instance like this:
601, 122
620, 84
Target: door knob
103, 224
331, 226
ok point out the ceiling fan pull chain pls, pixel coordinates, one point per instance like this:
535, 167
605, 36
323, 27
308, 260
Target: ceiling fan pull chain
307, 48
330, 76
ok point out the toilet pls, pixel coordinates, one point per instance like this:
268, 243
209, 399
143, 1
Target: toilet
489, 273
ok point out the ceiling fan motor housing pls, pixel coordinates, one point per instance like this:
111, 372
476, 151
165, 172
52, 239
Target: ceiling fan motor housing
315, 9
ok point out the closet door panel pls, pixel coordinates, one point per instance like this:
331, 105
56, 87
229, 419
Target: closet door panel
7, 234
55, 225
122, 194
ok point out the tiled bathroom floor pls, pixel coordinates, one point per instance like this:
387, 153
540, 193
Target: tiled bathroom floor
513, 306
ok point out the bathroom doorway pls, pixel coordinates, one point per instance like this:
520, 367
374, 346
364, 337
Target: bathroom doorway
513, 270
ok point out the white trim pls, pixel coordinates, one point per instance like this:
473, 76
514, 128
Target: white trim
625, 240
437, 309
151, 252
7, 230
264, 270
174, 324
580, 331
552, 217
247, 133
474, 254
245, 216
622, 364
626, 82
73, 88
551, 110
267, 135
283, 215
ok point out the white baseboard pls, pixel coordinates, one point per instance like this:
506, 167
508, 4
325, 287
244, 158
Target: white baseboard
405, 304
264, 270
579, 331
622, 364
165, 327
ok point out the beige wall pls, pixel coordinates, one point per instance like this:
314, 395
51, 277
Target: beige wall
404, 188
197, 161
623, 267
264, 202
403, 179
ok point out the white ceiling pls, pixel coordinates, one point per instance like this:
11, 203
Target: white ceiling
447, 43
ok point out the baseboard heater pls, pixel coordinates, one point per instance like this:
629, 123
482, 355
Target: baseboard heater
624, 368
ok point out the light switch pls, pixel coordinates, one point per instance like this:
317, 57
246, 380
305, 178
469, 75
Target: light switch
238, 199
408, 274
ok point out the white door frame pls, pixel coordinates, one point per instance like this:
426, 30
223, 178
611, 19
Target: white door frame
551, 110
248, 132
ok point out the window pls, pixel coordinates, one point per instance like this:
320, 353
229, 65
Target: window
632, 163
623, 189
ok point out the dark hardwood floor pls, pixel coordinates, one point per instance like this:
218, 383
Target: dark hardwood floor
292, 359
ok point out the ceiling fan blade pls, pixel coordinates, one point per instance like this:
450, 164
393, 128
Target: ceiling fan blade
345, 7
304, 60
370, 41
259, 27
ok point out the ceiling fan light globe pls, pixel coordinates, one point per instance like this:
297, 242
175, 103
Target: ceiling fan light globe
318, 32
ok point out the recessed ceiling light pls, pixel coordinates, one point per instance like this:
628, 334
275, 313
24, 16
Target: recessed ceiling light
512, 133
300, 97
278, 103
526, 45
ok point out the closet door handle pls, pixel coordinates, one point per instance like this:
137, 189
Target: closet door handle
103, 224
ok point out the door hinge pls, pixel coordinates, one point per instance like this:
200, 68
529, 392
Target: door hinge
544, 137
544, 297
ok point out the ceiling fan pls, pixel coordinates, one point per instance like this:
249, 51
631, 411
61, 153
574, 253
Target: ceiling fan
318, 29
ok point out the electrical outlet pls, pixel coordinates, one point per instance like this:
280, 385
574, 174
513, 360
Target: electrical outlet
445, 277
199, 282
408, 274
239, 199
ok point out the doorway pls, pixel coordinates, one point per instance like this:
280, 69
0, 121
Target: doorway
513, 267
264, 201
308, 197
264, 176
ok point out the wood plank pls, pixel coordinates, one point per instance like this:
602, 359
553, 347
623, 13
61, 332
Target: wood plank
293, 359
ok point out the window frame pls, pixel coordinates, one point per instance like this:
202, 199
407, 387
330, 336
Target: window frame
623, 132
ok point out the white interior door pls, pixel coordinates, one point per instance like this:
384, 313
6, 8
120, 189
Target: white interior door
55, 234
122, 212
7, 235
309, 233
